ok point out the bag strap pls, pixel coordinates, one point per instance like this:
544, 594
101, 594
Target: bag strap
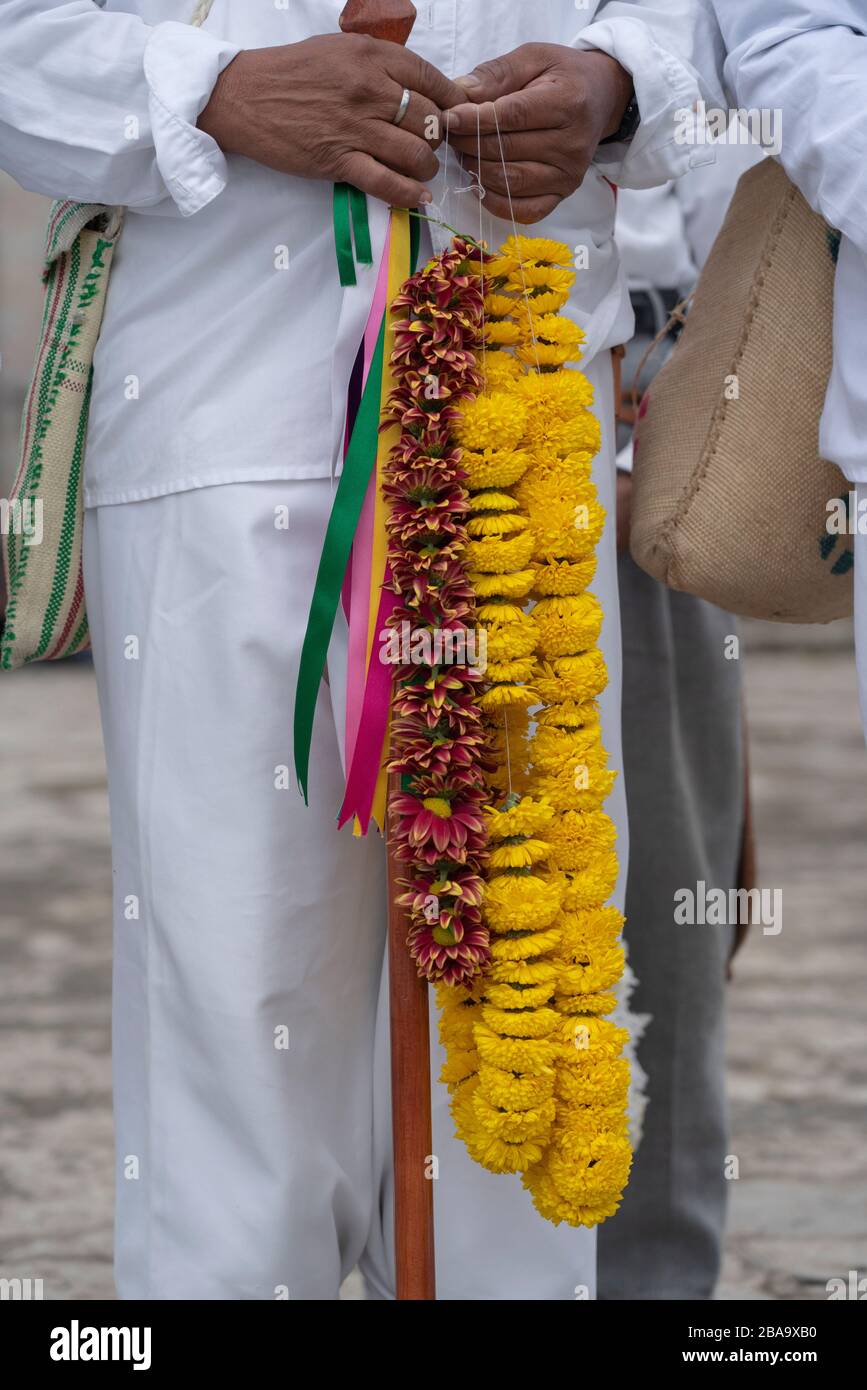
628, 407
68, 218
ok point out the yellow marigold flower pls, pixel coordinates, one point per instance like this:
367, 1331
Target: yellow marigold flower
456, 1024
500, 696
544, 301
528, 817
539, 354
585, 1042
500, 266
596, 972
561, 395
511, 672
531, 251
553, 328
521, 1023
586, 1003
496, 421
524, 972
521, 856
578, 837
500, 1157
561, 476
502, 333
578, 542
516, 585
500, 369
556, 751
515, 1126
499, 306
507, 1092
494, 467
596, 883
513, 996
511, 642
524, 945
557, 536
529, 1056
496, 524
538, 279
520, 903
591, 923
604, 1083
497, 556
458, 1066
561, 577
493, 501
502, 613
579, 787
568, 625
590, 1173
572, 677
553, 1207
571, 714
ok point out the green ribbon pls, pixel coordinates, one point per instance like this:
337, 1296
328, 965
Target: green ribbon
350, 217
343, 522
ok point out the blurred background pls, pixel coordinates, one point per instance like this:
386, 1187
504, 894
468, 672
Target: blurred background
798, 1002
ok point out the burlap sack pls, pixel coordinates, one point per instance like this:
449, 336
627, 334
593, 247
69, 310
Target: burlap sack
730, 495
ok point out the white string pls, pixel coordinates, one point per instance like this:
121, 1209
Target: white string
515, 231
200, 13
481, 243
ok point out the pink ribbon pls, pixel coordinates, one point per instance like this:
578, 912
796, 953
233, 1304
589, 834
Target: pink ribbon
365, 762
357, 586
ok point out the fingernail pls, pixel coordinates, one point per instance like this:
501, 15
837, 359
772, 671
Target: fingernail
470, 80
453, 123
426, 197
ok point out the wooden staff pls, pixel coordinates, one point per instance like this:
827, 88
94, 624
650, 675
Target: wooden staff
408, 995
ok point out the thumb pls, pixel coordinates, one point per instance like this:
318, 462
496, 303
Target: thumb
501, 76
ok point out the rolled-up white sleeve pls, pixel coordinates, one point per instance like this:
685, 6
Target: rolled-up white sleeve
674, 52
808, 60
101, 107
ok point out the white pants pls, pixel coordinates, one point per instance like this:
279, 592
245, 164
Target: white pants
250, 1037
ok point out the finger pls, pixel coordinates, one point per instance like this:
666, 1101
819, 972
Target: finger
524, 210
503, 75
422, 118
409, 70
526, 180
518, 146
537, 108
400, 150
374, 178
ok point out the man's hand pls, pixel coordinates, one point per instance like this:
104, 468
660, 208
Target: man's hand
325, 109
553, 105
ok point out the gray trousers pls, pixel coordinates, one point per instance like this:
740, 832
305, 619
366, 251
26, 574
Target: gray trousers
683, 759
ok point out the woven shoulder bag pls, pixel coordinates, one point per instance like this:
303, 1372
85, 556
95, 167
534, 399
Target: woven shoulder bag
730, 496
45, 611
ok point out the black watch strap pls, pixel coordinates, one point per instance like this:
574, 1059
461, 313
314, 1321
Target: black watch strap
628, 126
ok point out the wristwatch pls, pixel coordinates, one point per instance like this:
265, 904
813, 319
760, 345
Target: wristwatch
628, 126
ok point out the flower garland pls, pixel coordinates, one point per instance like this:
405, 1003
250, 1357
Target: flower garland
495, 522
437, 732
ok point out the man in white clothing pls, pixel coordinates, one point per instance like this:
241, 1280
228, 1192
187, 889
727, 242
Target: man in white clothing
808, 59
247, 1171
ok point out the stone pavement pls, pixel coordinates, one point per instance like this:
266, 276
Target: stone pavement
798, 1005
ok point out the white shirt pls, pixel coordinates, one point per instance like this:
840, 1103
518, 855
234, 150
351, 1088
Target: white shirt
215, 364
808, 58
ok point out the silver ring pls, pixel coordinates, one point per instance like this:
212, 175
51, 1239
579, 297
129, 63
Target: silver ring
404, 105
